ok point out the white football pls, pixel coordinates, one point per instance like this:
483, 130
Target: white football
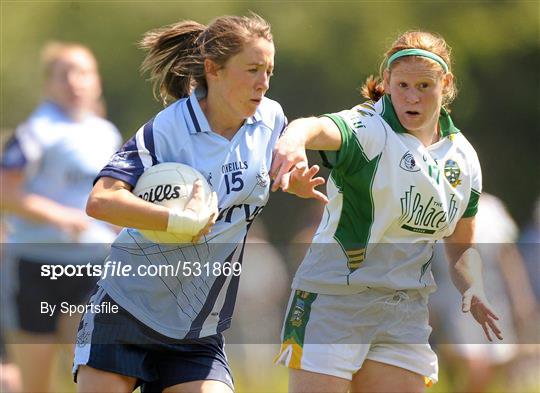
169, 184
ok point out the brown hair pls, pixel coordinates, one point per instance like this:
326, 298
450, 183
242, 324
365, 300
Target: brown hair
176, 53
53, 50
373, 87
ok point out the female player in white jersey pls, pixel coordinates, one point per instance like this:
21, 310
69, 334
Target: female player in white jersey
403, 176
167, 334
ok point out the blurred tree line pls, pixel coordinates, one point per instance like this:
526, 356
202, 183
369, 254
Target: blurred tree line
325, 49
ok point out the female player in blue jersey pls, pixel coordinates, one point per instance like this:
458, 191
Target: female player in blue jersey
47, 170
167, 333
403, 176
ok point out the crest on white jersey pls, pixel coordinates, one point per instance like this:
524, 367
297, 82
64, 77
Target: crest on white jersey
408, 163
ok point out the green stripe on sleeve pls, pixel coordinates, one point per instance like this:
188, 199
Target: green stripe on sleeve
472, 207
350, 157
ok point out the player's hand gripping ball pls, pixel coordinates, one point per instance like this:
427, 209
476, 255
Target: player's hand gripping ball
171, 184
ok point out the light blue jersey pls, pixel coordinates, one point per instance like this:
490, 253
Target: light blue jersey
60, 157
197, 302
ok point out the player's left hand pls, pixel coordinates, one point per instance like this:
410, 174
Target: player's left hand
475, 302
302, 182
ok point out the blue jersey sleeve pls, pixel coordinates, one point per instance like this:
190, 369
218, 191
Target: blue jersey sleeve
285, 123
24, 150
13, 156
133, 158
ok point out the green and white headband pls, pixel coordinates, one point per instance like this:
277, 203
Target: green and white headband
417, 52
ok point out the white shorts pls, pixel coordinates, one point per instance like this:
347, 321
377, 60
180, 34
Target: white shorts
334, 334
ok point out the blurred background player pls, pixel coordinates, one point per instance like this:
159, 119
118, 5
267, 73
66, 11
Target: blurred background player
10, 375
529, 243
527, 366
47, 169
507, 284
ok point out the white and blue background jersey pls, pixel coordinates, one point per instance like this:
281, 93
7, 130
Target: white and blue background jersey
191, 305
59, 157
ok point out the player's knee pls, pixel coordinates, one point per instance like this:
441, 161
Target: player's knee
93, 380
208, 386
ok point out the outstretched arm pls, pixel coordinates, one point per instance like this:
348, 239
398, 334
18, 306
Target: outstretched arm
521, 294
313, 133
466, 272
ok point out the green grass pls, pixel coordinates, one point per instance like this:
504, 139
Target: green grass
254, 373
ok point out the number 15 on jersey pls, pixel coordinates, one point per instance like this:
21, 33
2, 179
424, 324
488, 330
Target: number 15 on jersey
233, 181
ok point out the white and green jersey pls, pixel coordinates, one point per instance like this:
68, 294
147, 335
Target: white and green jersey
391, 198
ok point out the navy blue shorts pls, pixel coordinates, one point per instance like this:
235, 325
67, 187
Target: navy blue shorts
119, 343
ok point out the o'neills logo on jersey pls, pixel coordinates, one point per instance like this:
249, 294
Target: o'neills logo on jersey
422, 215
234, 166
161, 193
